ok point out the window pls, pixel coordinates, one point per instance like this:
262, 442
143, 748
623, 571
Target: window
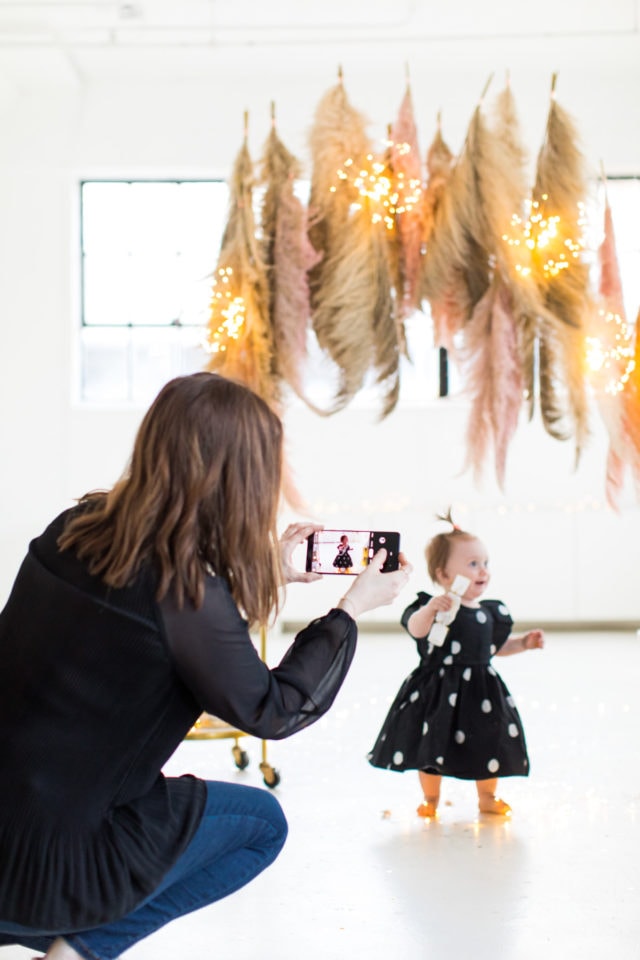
148, 251
624, 200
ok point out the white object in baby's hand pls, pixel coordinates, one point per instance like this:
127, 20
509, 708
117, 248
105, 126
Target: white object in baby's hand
444, 618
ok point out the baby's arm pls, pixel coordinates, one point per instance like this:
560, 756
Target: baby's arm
419, 623
531, 640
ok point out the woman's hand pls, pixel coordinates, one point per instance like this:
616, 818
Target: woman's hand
372, 588
293, 536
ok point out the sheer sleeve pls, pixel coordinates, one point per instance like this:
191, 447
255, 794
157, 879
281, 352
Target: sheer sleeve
216, 659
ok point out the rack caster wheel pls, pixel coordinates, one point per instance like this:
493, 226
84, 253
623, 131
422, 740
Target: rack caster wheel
241, 758
270, 775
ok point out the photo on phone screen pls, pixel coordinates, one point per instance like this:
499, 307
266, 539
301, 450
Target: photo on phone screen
349, 551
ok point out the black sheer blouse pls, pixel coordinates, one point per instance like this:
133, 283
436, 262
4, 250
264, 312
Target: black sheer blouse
98, 688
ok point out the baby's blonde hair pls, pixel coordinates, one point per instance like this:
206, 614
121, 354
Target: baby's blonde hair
438, 550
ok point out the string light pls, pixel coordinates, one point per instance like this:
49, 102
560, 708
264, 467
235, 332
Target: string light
612, 359
542, 234
230, 307
375, 186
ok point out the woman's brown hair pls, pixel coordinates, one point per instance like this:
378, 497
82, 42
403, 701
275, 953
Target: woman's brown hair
201, 491
438, 549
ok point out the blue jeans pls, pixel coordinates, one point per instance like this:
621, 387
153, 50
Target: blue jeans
242, 831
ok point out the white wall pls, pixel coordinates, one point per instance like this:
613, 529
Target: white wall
558, 553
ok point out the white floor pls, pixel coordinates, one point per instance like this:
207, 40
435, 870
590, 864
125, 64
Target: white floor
362, 877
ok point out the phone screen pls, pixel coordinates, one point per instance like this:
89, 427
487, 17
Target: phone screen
349, 551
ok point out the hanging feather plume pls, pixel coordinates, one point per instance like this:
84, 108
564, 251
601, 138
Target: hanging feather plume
338, 136
440, 162
288, 257
492, 370
389, 337
562, 276
631, 410
239, 338
455, 268
610, 283
447, 314
506, 196
624, 447
352, 305
409, 219
611, 349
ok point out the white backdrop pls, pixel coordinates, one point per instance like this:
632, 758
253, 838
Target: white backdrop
558, 554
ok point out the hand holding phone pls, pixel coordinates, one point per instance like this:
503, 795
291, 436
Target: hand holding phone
373, 588
293, 536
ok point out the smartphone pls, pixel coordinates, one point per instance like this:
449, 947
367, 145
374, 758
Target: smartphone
349, 551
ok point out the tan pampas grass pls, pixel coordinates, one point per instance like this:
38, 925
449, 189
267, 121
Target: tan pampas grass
352, 305
239, 339
288, 256
455, 267
612, 355
507, 195
406, 168
562, 275
440, 162
338, 136
631, 410
492, 368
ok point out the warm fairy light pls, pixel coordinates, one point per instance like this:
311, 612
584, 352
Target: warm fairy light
228, 306
542, 235
613, 358
373, 184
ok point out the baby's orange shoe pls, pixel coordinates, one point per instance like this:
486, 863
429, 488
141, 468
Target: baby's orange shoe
494, 805
427, 810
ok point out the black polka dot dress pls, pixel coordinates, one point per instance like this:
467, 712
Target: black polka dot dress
454, 715
343, 559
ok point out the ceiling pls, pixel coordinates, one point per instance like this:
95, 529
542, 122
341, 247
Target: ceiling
87, 37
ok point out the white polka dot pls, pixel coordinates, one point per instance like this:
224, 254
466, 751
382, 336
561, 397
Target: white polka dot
466, 675
493, 766
441, 671
491, 671
492, 649
460, 737
452, 699
511, 701
448, 661
503, 610
513, 730
383, 737
402, 705
414, 696
486, 706
425, 727
481, 616
398, 757
455, 647
440, 760
430, 648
